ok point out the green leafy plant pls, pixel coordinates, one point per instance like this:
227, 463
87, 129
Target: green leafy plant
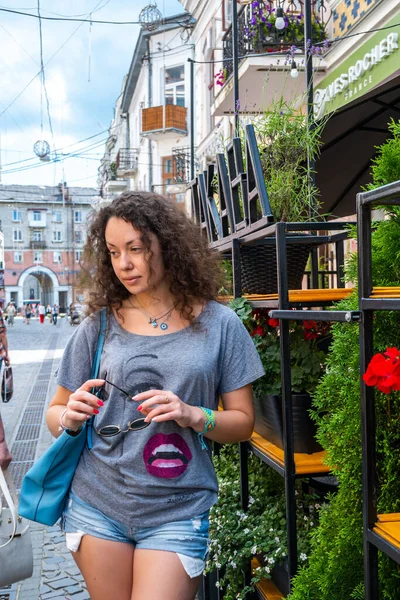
386, 164
285, 141
307, 358
237, 535
113, 170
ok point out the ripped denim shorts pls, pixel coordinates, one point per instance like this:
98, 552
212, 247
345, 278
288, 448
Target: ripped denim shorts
188, 539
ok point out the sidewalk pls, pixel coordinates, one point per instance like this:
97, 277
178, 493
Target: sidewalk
35, 353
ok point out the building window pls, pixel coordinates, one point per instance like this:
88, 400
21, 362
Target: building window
37, 257
167, 171
175, 85
78, 216
37, 215
17, 216
17, 235
78, 237
179, 198
37, 236
78, 255
57, 258
57, 216
226, 14
18, 257
57, 236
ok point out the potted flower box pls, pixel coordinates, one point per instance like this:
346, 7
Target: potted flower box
307, 365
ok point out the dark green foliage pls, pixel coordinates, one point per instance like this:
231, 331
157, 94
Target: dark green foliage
335, 570
386, 165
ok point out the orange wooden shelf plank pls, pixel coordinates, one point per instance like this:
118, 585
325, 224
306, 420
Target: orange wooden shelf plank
306, 464
388, 528
266, 587
325, 295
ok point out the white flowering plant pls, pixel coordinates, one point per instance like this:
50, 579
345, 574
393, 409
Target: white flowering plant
237, 536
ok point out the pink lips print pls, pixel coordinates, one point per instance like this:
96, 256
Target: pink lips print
166, 455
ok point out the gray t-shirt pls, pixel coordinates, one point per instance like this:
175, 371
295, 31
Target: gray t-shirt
161, 473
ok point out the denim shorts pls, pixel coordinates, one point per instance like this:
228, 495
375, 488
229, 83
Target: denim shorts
188, 539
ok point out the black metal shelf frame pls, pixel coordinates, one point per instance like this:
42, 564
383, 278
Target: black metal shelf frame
386, 195
243, 216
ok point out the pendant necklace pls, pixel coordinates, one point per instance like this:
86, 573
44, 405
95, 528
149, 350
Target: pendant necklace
153, 321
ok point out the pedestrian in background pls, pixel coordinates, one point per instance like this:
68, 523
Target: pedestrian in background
10, 312
28, 313
42, 312
54, 314
140, 497
5, 456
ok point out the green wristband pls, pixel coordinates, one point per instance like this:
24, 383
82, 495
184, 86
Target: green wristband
209, 425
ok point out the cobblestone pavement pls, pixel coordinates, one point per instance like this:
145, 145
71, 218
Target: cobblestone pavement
35, 351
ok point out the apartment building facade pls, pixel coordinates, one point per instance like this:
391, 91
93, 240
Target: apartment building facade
149, 135
44, 229
356, 80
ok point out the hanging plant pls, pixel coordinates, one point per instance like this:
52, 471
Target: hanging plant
271, 28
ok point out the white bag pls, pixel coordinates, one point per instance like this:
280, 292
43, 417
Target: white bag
16, 555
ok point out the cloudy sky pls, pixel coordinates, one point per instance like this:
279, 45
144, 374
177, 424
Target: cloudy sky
84, 68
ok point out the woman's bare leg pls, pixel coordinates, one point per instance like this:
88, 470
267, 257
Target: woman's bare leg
159, 575
107, 568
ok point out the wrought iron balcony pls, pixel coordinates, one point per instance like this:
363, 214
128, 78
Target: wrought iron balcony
126, 162
258, 34
38, 244
158, 121
181, 164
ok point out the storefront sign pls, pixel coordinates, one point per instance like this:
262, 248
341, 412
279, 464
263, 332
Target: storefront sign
365, 69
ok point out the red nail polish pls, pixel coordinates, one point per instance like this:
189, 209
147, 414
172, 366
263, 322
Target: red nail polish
100, 403
96, 412
139, 407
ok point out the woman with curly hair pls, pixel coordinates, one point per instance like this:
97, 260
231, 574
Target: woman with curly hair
137, 517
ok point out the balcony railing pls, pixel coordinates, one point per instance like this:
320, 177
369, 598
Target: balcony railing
257, 32
181, 164
127, 161
38, 244
163, 118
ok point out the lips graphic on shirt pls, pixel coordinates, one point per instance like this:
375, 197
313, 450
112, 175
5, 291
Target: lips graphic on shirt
166, 455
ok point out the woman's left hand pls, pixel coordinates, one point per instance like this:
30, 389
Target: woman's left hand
163, 405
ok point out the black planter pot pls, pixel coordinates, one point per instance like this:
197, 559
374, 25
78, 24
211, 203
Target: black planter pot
280, 577
269, 422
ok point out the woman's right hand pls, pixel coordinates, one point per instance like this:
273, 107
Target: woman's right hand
82, 405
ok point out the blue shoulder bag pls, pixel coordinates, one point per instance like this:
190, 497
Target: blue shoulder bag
45, 487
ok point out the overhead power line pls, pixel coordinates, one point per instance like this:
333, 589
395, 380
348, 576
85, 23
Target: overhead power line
75, 20
60, 150
87, 20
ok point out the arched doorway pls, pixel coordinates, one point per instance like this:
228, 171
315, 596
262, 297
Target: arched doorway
39, 287
41, 283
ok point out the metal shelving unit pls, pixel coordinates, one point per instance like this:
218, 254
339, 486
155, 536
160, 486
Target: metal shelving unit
381, 532
243, 217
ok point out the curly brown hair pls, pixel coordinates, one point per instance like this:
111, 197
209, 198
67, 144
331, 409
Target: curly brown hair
193, 269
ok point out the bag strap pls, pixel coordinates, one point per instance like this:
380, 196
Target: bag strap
100, 343
96, 366
13, 510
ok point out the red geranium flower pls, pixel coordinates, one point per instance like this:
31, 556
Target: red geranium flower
310, 335
273, 322
258, 331
383, 371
